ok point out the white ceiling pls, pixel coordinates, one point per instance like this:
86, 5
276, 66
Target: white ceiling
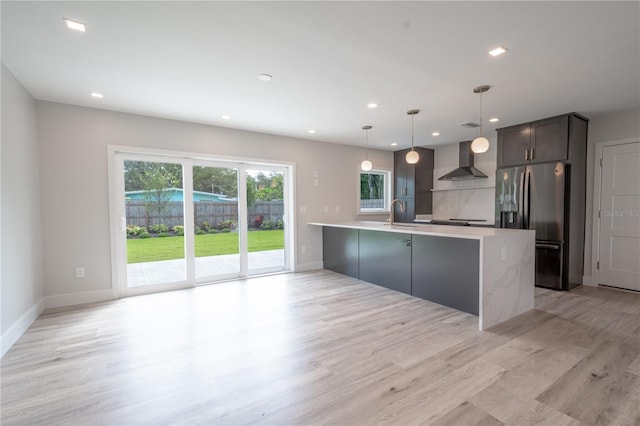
195, 61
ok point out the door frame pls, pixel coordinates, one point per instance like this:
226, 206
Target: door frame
597, 193
116, 186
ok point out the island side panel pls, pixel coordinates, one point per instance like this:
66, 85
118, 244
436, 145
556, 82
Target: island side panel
340, 250
447, 271
385, 259
507, 285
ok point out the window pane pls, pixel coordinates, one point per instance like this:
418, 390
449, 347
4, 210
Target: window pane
372, 190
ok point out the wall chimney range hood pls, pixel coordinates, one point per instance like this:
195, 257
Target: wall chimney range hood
465, 168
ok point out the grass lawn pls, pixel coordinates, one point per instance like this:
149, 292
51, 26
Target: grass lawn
152, 249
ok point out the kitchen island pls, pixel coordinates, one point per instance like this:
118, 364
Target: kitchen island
487, 272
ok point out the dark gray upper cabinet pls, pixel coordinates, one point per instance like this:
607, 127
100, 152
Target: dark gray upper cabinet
413, 184
541, 141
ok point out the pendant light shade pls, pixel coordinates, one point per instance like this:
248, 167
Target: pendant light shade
480, 144
412, 156
366, 165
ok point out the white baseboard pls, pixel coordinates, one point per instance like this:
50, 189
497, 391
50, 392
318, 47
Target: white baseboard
18, 328
310, 266
70, 299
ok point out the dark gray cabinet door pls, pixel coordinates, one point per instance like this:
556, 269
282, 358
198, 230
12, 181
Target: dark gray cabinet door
340, 250
513, 145
446, 271
549, 140
385, 259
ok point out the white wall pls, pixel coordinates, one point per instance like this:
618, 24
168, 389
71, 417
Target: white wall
605, 128
75, 188
453, 200
21, 254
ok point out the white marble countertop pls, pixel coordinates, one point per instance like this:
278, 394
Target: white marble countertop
467, 232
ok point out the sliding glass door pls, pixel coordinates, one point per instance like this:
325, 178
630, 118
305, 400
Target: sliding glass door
181, 221
217, 229
266, 219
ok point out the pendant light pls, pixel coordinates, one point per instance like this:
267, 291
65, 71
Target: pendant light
480, 144
412, 156
366, 164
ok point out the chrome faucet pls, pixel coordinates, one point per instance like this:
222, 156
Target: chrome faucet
391, 210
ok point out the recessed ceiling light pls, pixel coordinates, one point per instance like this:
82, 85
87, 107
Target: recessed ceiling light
311, 131
74, 25
97, 95
394, 144
372, 105
494, 120
498, 51
225, 117
264, 77
435, 134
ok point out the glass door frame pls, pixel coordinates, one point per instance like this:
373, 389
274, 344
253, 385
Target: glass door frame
116, 157
119, 204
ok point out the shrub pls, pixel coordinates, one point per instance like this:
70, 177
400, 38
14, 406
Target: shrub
205, 226
178, 229
134, 230
226, 224
180, 233
225, 230
199, 231
145, 234
266, 225
160, 227
258, 221
280, 224
213, 231
163, 234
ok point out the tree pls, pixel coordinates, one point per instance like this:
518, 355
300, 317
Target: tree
155, 179
371, 186
270, 187
219, 180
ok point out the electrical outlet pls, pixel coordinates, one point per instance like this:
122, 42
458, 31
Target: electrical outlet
337, 209
503, 253
316, 182
80, 272
326, 209
304, 249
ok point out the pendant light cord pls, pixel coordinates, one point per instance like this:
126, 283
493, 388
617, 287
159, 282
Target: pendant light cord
366, 144
411, 132
481, 114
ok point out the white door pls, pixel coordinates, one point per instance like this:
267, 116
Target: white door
619, 239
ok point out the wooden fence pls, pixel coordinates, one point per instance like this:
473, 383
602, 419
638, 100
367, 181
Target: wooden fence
372, 204
213, 212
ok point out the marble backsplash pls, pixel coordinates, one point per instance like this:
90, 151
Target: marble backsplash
464, 204
465, 199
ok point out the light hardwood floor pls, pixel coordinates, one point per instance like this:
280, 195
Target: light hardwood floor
321, 348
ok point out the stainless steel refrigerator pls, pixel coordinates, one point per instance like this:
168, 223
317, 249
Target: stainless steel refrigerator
537, 197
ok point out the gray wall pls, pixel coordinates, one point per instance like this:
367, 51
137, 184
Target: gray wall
74, 163
21, 254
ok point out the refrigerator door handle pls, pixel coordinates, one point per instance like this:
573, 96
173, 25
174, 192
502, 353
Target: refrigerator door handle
525, 205
548, 246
